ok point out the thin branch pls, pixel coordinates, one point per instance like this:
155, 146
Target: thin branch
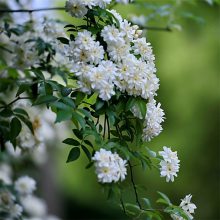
134, 186
12, 102
30, 10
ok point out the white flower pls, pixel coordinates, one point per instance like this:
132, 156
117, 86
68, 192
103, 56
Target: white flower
128, 30
96, 53
16, 210
168, 155
169, 170
112, 35
154, 118
24, 55
34, 206
116, 15
84, 40
5, 174
6, 198
102, 3
86, 49
141, 47
109, 167
118, 52
25, 185
75, 8
26, 139
188, 206
169, 166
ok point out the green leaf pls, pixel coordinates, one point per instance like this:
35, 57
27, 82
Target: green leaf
165, 197
20, 111
27, 122
130, 103
61, 106
6, 113
73, 154
86, 151
23, 88
111, 116
69, 26
79, 97
78, 134
63, 115
38, 74
48, 89
13, 73
69, 102
88, 143
141, 104
99, 104
85, 112
71, 141
147, 202
63, 40
89, 165
45, 99
15, 128
79, 118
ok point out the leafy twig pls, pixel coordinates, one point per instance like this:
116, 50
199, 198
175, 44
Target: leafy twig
12, 102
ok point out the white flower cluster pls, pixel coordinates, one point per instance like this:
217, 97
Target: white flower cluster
109, 167
36, 145
169, 166
24, 203
24, 53
9, 205
187, 206
24, 47
127, 65
154, 118
79, 8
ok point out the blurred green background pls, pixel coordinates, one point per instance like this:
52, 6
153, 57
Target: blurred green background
188, 64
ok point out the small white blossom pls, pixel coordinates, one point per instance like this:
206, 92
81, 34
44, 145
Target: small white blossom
169, 166
109, 167
112, 35
154, 118
5, 174
141, 47
102, 3
75, 8
187, 206
25, 185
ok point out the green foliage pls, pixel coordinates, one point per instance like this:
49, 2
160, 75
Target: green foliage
96, 123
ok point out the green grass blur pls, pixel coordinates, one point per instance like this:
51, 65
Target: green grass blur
188, 64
